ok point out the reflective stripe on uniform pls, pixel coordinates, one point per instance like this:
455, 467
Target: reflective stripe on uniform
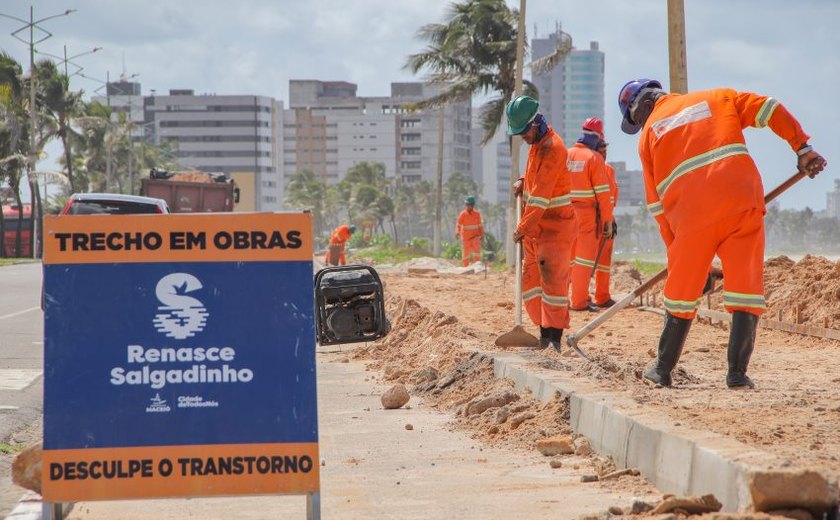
673, 306
699, 161
603, 268
733, 299
765, 113
557, 202
530, 294
584, 262
472, 226
655, 208
557, 301
601, 188
582, 194
537, 202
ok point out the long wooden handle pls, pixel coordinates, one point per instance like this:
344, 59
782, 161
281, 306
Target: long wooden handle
517, 301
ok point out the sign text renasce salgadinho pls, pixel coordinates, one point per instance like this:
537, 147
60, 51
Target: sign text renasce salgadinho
141, 359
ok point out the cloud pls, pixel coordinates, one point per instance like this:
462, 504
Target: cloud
777, 47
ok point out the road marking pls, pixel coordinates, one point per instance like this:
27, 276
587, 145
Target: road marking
17, 378
18, 313
8, 408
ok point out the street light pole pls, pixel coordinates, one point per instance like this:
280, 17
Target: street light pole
35, 195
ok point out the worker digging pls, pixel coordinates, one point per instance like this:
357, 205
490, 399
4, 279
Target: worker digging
548, 226
335, 253
705, 192
470, 230
591, 202
603, 261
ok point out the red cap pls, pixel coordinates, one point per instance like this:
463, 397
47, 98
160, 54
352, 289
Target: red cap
593, 124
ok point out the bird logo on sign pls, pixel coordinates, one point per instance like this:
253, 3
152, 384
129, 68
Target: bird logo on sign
182, 316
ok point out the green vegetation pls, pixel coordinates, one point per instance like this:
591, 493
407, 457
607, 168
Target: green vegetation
6, 448
648, 268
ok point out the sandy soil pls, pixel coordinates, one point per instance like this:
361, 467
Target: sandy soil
794, 413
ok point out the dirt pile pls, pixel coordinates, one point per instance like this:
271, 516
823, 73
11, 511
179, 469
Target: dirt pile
806, 292
438, 358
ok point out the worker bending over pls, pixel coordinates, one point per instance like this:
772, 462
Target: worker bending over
705, 192
547, 228
591, 202
335, 253
470, 229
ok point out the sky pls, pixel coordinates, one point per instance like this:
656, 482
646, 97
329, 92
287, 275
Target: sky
785, 49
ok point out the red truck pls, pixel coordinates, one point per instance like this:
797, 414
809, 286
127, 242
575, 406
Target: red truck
191, 191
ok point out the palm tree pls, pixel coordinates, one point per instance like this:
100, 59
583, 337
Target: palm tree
61, 105
474, 52
304, 191
14, 142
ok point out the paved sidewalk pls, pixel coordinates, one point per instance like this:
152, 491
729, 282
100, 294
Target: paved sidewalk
376, 468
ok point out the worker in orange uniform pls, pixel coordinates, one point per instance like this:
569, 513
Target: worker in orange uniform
603, 298
591, 201
705, 192
547, 228
335, 253
470, 230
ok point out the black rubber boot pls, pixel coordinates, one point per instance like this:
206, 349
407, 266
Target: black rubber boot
545, 338
670, 348
556, 337
741, 343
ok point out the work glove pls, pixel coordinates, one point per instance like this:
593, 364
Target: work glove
810, 162
608, 229
457, 236
517, 187
615, 229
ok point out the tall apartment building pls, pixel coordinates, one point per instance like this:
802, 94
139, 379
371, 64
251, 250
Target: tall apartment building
574, 90
233, 134
328, 128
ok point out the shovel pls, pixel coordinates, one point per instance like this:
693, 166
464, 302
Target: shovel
518, 337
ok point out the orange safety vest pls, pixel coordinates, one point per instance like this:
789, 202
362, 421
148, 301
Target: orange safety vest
341, 235
546, 187
695, 162
469, 224
590, 184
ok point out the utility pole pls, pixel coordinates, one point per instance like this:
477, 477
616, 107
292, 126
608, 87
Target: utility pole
436, 233
678, 66
515, 141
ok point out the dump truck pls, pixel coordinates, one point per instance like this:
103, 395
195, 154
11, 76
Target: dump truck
191, 191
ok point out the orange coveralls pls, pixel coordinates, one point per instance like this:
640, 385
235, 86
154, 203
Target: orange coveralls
602, 271
705, 192
339, 237
549, 228
471, 230
590, 195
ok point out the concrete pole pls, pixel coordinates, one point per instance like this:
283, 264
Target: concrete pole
678, 66
438, 185
33, 122
515, 141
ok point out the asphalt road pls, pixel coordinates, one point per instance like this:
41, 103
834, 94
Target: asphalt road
21, 365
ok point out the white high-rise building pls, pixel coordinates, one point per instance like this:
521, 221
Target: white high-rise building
328, 128
573, 91
234, 134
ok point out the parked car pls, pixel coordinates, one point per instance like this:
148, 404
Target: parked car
113, 204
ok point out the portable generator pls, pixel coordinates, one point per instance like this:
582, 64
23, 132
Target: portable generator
350, 305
